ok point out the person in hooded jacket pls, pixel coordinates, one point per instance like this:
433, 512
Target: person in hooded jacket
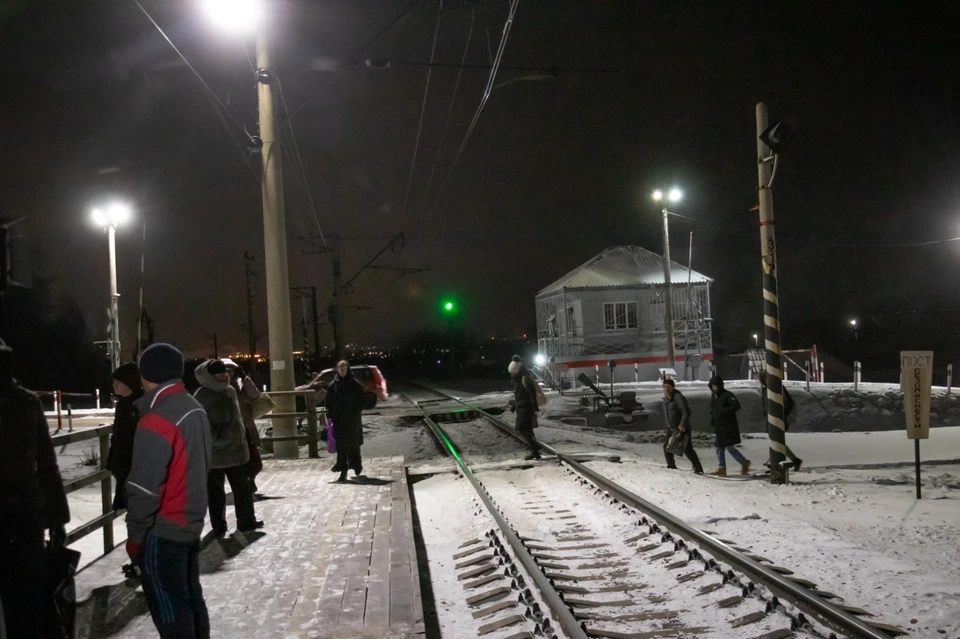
230, 452
676, 414
723, 417
247, 393
32, 500
128, 388
344, 408
525, 404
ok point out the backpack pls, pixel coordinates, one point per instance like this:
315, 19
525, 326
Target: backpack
541, 398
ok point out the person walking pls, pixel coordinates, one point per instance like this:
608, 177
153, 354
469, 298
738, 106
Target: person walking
345, 408
525, 404
723, 417
787, 411
230, 451
676, 414
167, 496
32, 500
249, 397
128, 389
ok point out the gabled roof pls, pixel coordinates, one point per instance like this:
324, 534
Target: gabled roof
623, 267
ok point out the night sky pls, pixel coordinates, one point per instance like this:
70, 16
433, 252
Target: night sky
557, 169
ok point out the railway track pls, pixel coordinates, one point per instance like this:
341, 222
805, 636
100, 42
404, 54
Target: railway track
607, 563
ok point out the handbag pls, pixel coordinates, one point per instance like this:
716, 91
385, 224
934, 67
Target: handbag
676, 443
331, 440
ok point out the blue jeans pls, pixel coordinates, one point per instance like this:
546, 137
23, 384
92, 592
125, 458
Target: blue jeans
171, 583
722, 457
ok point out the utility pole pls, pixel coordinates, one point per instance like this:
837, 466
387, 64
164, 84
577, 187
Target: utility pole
668, 293
275, 254
776, 426
686, 323
340, 343
114, 299
248, 258
302, 290
216, 346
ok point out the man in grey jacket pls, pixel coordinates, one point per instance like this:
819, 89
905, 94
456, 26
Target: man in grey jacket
167, 497
230, 452
676, 413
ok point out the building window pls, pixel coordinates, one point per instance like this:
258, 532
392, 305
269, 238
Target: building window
618, 316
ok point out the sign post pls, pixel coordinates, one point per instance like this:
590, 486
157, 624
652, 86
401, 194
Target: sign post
916, 378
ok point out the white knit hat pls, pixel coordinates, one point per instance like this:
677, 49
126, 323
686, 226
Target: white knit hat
515, 365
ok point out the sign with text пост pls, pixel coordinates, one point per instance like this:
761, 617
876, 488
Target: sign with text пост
916, 378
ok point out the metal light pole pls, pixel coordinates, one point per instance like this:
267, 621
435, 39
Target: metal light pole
109, 218
674, 196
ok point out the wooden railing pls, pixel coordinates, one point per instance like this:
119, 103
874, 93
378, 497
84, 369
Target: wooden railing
311, 439
108, 514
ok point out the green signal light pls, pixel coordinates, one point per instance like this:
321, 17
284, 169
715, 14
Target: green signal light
448, 306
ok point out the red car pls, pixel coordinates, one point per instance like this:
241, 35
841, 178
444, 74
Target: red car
370, 376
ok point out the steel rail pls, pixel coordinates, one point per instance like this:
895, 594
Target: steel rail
564, 615
826, 612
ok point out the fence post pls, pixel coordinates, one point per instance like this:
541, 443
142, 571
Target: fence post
856, 375
69, 418
96, 393
806, 366
822, 378
949, 377
597, 368
311, 403
786, 375
56, 400
105, 497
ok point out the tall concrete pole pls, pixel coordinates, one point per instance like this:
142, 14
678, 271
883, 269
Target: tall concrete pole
776, 424
114, 299
248, 258
340, 342
275, 256
668, 294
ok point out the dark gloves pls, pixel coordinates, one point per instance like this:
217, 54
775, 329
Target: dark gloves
58, 536
133, 550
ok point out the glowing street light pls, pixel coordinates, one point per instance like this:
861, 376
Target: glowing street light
855, 325
234, 16
674, 195
756, 339
110, 217
540, 359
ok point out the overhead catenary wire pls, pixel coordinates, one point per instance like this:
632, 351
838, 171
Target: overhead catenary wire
352, 57
212, 98
508, 24
423, 110
446, 119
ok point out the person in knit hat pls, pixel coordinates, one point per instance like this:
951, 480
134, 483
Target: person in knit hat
525, 404
128, 389
167, 495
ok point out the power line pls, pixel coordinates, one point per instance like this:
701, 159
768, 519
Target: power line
446, 119
905, 245
215, 102
299, 161
423, 110
355, 54
508, 24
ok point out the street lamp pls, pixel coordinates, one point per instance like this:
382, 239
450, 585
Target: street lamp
240, 16
109, 218
674, 195
756, 339
854, 324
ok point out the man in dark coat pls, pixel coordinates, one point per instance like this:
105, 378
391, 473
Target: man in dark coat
676, 414
31, 500
230, 452
525, 404
787, 410
723, 417
344, 408
128, 389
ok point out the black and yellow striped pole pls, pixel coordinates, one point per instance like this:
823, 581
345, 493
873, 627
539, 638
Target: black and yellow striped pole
776, 420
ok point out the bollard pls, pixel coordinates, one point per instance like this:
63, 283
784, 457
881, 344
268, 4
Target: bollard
69, 418
597, 368
822, 378
749, 372
806, 366
636, 373
786, 375
949, 377
96, 393
856, 375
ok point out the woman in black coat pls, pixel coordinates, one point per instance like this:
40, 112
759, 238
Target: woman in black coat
723, 417
128, 388
344, 407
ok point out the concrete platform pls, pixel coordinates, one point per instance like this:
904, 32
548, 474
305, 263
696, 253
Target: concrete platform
333, 561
